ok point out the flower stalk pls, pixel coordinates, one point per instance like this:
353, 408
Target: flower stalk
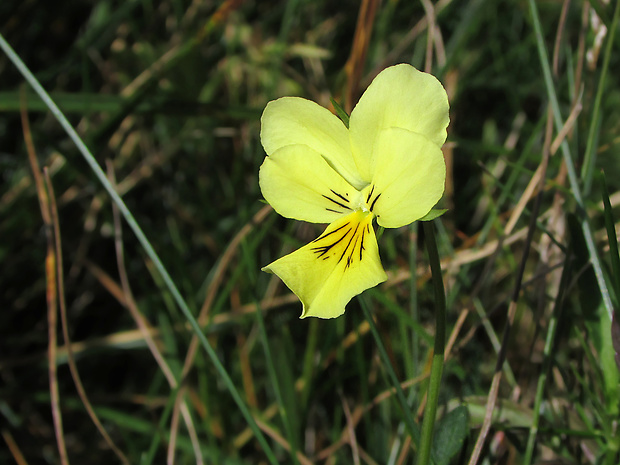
439, 347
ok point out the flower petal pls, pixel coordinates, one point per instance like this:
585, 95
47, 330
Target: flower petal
298, 183
294, 120
402, 97
409, 178
341, 263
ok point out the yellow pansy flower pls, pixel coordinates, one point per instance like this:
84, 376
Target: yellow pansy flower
386, 165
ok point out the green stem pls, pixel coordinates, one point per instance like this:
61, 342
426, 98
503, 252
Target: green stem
146, 245
413, 295
440, 337
408, 416
587, 169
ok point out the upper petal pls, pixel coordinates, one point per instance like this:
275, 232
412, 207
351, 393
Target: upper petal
402, 97
409, 178
294, 120
298, 183
341, 263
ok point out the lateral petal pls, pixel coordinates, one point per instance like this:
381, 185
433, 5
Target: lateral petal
402, 97
294, 120
341, 263
298, 183
409, 177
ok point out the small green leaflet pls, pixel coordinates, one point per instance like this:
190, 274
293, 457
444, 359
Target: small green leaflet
341, 113
450, 435
434, 213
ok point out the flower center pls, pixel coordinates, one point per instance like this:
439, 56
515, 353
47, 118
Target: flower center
368, 198
343, 240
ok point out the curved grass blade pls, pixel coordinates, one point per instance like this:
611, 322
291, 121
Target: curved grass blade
570, 166
611, 237
146, 245
587, 169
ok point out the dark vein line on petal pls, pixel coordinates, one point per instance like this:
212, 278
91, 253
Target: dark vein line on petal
362, 244
331, 232
322, 250
341, 196
346, 248
336, 202
350, 257
374, 202
370, 194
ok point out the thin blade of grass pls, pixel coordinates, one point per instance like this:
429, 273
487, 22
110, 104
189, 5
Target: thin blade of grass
357, 58
147, 459
549, 356
570, 166
14, 448
271, 367
572, 175
387, 365
144, 242
611, 236
589, 160
512, 308
65, 325
51, 284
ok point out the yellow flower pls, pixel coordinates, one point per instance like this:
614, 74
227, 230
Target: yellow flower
387, 165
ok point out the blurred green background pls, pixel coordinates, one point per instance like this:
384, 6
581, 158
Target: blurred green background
168, 95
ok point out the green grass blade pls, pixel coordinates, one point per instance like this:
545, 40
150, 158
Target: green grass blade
286, 411
611, 236
133, 224
589, 161
387, 365
148, 458
570, 166
275, 384
548, 359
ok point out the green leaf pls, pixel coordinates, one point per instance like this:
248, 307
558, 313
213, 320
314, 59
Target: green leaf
450, 435
507, 414
434, 213
342, 114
